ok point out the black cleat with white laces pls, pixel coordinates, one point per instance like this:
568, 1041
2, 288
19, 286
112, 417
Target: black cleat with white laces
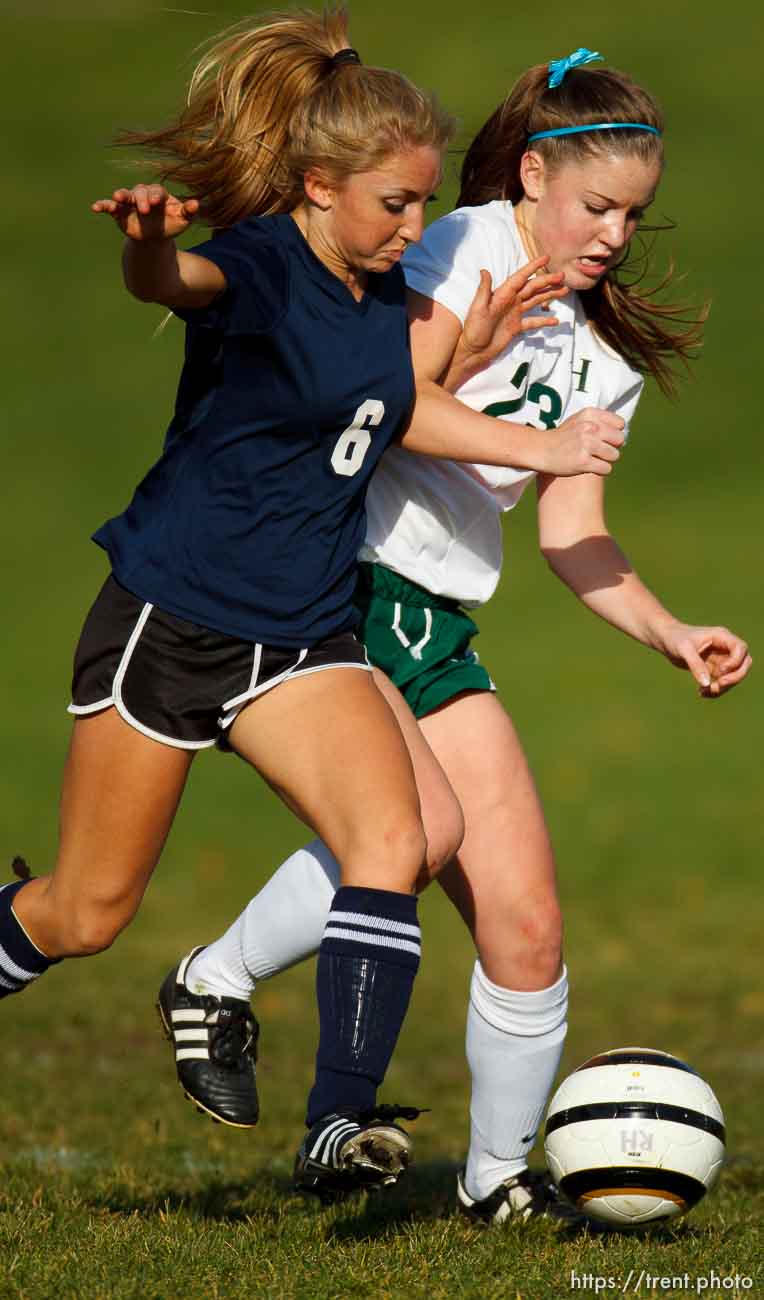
215, 1042
525, 1196
351, 1150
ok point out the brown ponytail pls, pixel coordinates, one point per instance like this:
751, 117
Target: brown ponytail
648, 334
267, 102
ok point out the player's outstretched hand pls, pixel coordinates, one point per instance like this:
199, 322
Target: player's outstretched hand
716, 657
496, 316
148, 212
588, 442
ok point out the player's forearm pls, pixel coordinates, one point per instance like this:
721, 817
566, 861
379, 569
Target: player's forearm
441, 425
158, 271
464, 365
597, 571
150, 269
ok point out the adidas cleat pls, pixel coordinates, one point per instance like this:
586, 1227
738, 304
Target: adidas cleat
215, 1041
352, 1150
525, 1196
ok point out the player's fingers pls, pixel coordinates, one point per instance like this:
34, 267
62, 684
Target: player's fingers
737, 675
726, 673
720, 685
517, 289
510, 289
541, 299
543, 284
483, 290
140, 199
537, 304
726, 641
538, 322
597, 466
147, 197
722, 650
601, 418
730, 677
525, 273
687, 652
190, 207
606, 451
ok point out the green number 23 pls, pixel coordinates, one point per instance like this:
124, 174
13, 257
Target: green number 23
547, 399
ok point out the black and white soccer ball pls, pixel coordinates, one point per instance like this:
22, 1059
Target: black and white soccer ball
634, 1136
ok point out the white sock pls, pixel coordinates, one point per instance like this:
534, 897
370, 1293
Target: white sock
280, 926
514, 1044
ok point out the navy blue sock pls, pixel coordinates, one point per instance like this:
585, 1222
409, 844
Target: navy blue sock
367, 961
20, 960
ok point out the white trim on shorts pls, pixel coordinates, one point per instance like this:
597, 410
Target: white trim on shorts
98, 707
232, 707
117, 701
236, 705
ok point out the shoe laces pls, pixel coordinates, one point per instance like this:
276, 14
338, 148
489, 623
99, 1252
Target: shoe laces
233, 1035
387, 1113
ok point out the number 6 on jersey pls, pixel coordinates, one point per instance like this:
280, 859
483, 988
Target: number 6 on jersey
353, 443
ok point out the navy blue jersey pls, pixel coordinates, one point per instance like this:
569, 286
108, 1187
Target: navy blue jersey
251, 521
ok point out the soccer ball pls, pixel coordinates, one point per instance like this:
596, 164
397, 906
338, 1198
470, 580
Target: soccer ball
633, 1136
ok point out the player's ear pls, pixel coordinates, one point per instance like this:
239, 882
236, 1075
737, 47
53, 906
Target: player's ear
532, 173
319, 189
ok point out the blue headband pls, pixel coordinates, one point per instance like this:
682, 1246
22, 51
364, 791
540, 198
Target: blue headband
594, 126
558, 69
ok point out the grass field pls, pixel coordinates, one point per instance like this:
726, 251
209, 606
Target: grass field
113, 1187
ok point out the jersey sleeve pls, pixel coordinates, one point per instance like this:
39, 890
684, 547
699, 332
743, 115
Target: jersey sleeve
445, 266
626, 402
257, 288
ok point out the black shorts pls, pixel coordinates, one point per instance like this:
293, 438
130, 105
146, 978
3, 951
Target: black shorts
177, 682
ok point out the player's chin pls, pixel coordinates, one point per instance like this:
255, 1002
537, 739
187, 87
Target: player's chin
581, 274
384, 259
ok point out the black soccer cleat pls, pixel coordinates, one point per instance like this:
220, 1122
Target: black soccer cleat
215, 1041
527, 1195
350, 1150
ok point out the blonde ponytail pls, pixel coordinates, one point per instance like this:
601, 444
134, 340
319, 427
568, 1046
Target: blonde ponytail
266, 103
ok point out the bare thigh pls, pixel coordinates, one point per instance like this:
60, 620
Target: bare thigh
119, 796
329, 743
441, 812
503, 880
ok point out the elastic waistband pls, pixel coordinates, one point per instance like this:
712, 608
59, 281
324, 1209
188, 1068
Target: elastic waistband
393, 586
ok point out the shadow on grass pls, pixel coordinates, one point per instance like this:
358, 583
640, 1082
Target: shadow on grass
426, 1194
262, 1197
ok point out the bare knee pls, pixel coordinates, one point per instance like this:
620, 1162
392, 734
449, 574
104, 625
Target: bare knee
92, 930
87, 927
540, 933
521, 945
392, 858
444, 839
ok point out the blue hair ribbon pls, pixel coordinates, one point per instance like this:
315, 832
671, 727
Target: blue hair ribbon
593, 126
559, 67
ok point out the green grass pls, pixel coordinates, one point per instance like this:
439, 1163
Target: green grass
113, 1186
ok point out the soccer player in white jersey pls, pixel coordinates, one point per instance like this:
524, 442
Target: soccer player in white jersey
565, 168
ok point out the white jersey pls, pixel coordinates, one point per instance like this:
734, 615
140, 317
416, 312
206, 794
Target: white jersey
438, 522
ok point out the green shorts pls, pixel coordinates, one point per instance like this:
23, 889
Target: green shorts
420, 640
